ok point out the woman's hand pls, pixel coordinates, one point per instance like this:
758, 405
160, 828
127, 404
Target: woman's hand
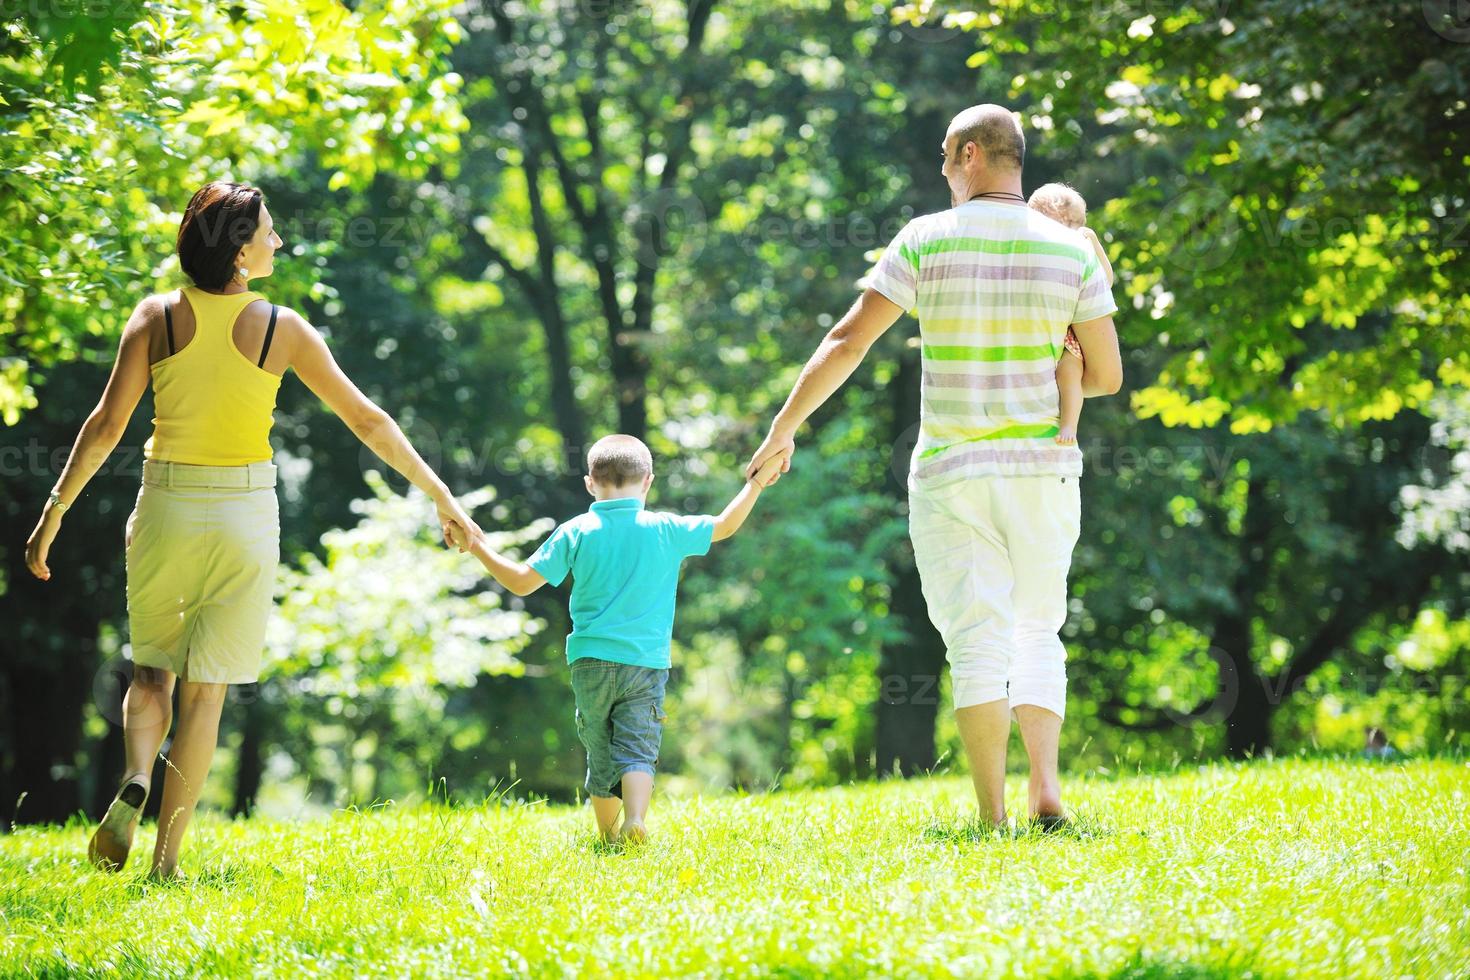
39, 543
457, 537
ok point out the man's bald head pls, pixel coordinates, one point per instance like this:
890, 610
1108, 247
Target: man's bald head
995, 130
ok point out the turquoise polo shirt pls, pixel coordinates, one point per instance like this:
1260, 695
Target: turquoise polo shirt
624, 563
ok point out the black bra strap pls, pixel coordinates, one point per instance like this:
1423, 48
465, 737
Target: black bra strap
168, 322
269, 332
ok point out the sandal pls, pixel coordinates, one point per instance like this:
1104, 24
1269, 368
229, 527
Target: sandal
109, 847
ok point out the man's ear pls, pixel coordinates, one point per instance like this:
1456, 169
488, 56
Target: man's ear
591, 487
647, 482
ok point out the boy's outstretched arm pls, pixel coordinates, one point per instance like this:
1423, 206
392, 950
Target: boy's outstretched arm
516, 576
737, 510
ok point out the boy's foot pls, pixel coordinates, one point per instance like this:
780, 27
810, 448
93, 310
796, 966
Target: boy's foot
1067, 436
633, 832
113, 839
1051, 823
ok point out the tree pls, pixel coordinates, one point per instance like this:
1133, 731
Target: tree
1317, 151
110, 123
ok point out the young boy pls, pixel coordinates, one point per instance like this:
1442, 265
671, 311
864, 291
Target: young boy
624, 563
1061, 203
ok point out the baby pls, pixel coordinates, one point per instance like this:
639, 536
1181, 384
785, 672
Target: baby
1061, 203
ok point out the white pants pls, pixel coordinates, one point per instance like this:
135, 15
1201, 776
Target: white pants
993, 556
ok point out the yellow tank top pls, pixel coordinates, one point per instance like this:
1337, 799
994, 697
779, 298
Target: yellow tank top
213, 406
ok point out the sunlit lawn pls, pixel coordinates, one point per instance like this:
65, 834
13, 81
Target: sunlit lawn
1293, 867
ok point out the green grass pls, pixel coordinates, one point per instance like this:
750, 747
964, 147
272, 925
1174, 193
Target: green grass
1294, 867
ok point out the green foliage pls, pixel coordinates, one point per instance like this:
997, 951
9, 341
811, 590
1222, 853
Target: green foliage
1300, 868
787, 620
369, 643
389, 606
92, 179
646, 215
1295, 228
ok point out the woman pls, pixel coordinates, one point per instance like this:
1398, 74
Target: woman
204, 540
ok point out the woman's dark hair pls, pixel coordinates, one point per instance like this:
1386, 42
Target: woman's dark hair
221, 218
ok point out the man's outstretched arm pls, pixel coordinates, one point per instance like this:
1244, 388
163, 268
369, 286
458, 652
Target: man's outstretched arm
839, 354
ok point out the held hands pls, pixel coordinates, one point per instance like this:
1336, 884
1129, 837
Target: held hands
778, 447
770, 471
458, 527
456, 537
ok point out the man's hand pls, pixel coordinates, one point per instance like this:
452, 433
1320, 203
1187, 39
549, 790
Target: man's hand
779, 446
452, 515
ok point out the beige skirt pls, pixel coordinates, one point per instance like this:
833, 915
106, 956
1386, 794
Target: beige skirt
203, 544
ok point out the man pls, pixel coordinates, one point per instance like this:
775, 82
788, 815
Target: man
994, 503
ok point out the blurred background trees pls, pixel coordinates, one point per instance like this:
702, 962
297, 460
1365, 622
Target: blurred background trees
526, 225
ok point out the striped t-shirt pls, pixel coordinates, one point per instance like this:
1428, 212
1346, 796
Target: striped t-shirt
994, 287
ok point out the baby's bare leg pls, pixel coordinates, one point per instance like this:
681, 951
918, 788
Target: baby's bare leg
1069, 388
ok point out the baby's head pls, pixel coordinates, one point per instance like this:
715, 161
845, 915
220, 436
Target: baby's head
1060, 203
619, 466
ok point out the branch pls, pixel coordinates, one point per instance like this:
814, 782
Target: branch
1349, 617
676, 147
1154, 720
481, 253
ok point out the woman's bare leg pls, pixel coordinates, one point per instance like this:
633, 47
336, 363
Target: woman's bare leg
1069, 388
147, 713
188, 766
148, 710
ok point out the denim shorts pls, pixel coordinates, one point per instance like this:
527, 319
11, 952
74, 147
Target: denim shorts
620, 720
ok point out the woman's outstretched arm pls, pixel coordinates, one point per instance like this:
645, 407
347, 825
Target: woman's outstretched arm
100, 432
318, 369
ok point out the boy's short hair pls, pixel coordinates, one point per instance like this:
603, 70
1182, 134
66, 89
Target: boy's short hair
618, 460
1060, 202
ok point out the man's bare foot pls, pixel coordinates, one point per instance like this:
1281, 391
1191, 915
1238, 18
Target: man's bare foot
113, 839
633, 832
1067, 436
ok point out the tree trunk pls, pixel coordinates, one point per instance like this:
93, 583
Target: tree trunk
1249, 706
44, 738
250, 764
908, 669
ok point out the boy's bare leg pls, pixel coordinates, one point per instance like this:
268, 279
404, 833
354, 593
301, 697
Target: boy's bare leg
1069, 388
606, 808
637, 791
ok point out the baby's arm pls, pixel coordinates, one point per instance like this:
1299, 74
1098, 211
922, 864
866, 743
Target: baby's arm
739, 509
516, 576
1097, 247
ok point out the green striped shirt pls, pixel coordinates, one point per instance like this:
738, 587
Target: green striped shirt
994, 287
